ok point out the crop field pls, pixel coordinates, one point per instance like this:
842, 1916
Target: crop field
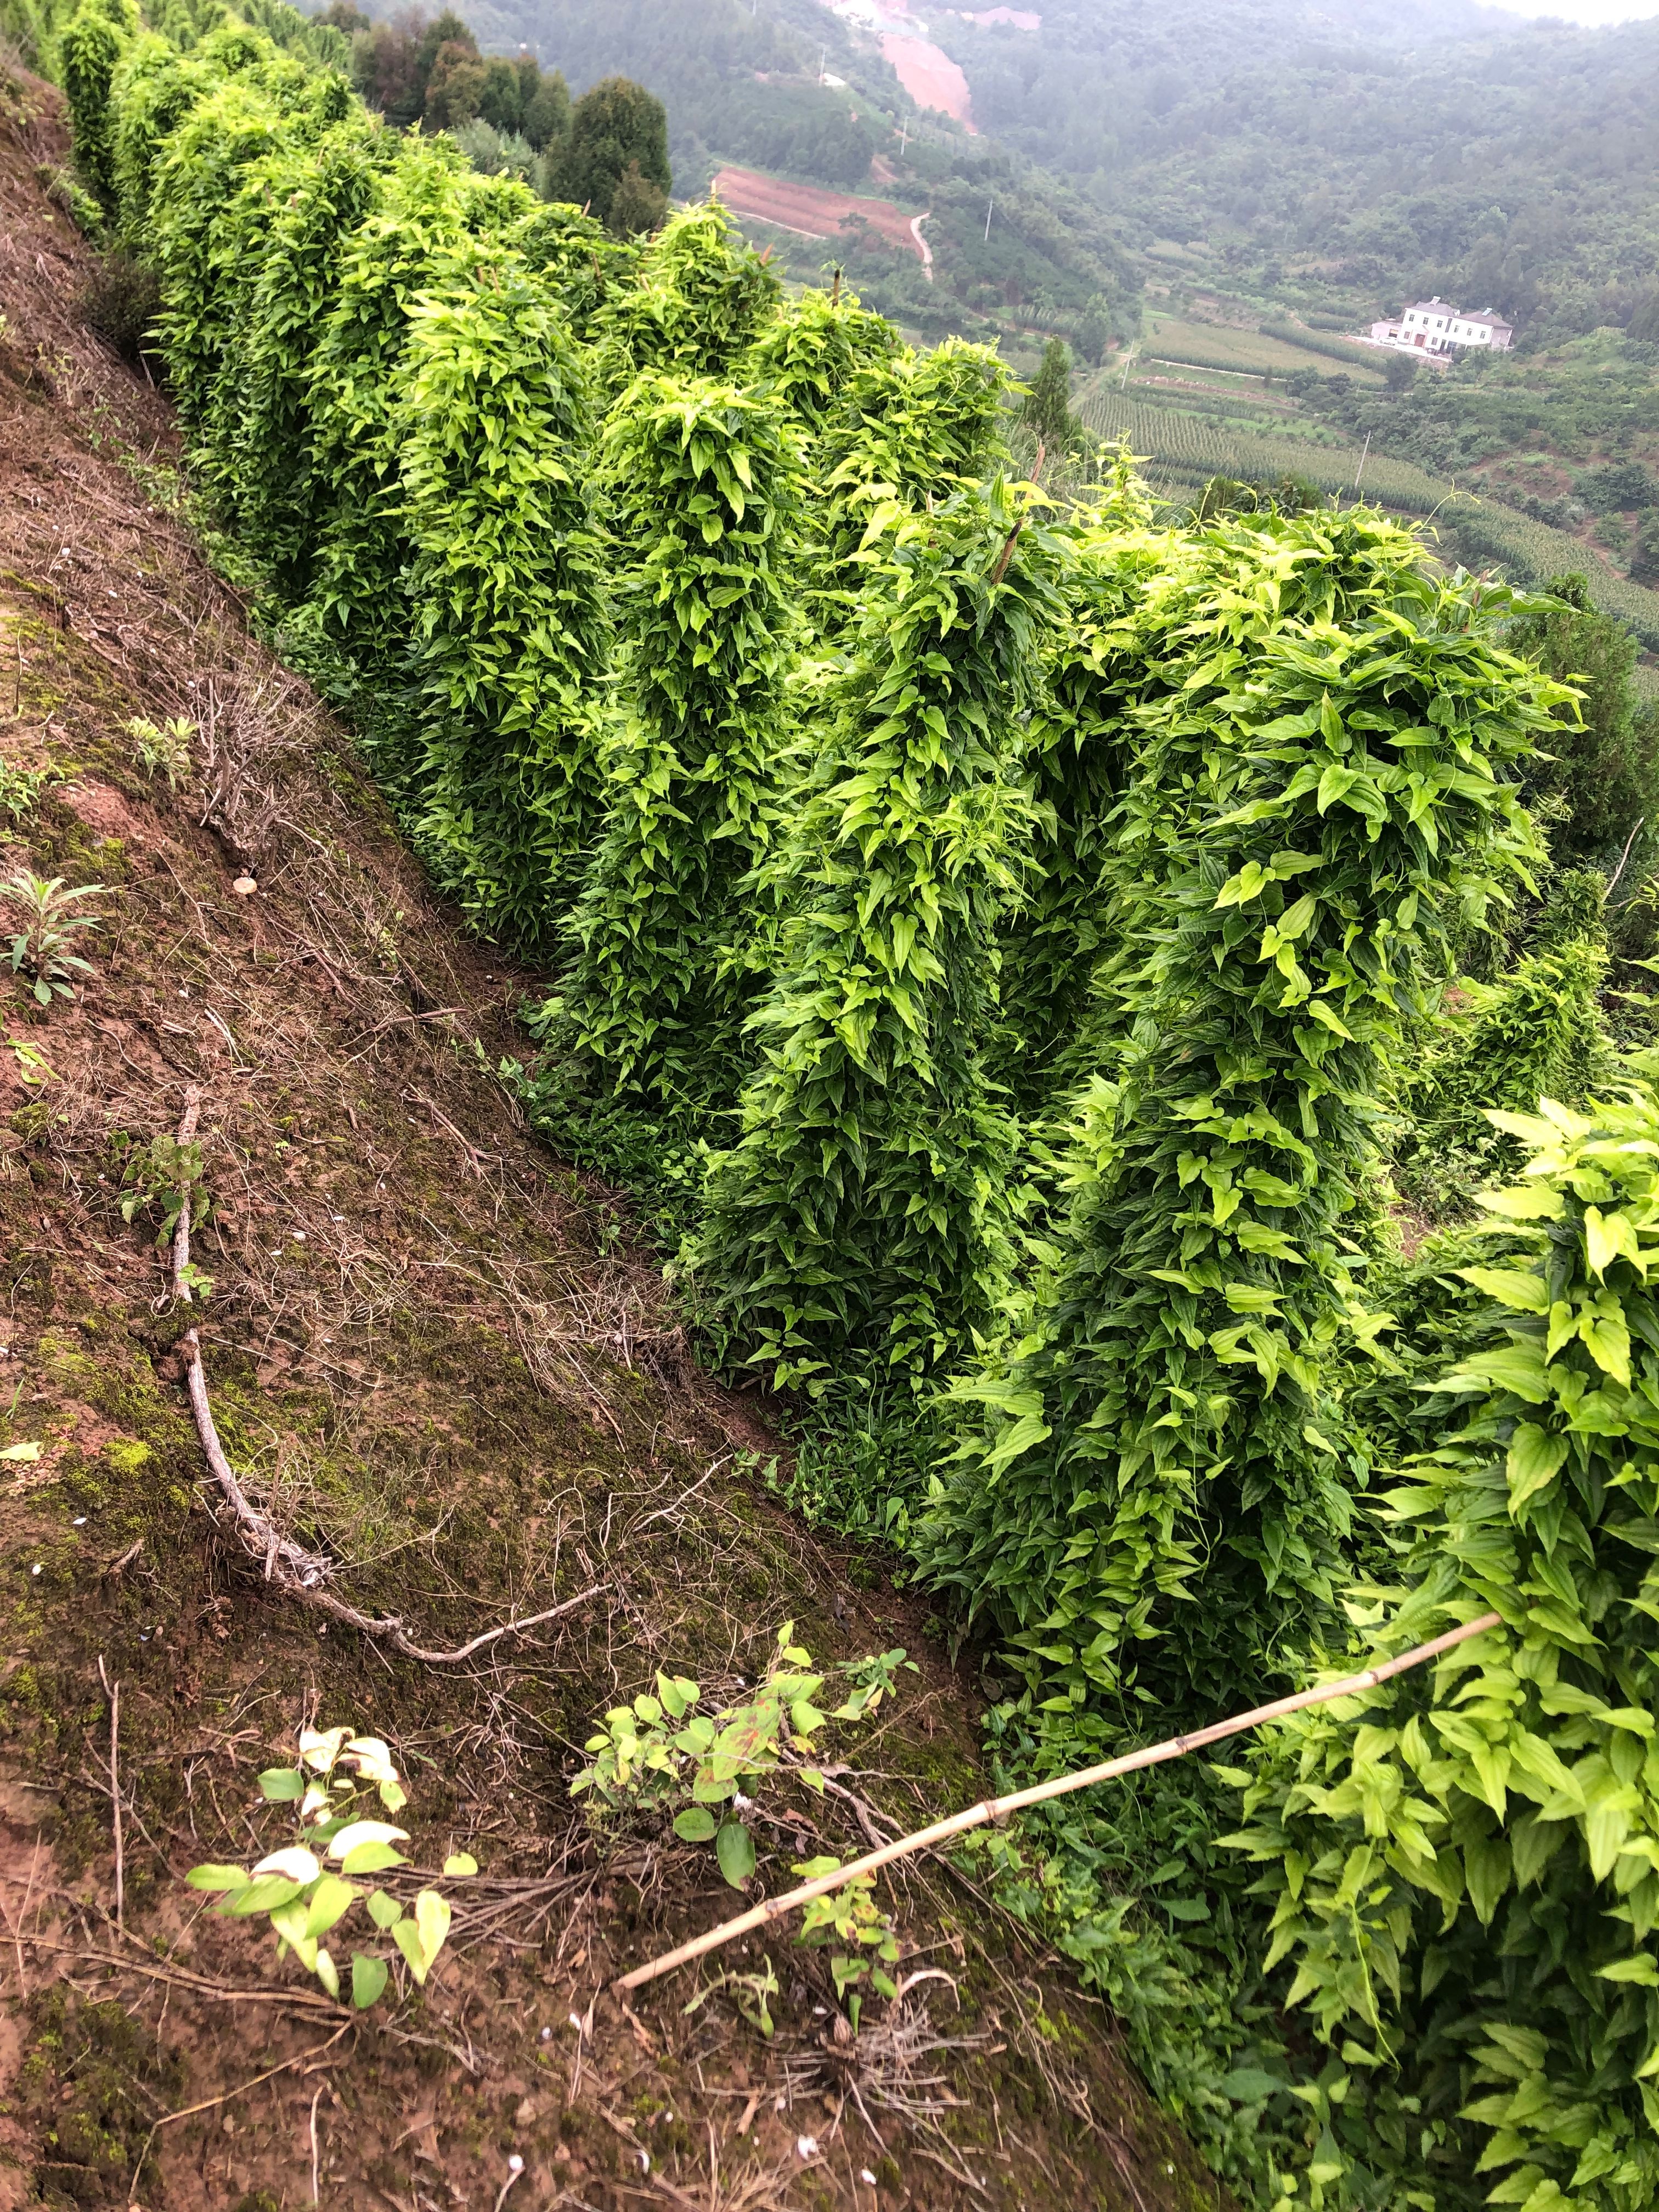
1212, 345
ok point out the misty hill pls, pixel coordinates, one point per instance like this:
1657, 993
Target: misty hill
1363, 151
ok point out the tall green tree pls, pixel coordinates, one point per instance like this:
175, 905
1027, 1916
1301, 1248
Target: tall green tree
615, 124
1047, 407
702, 484
860, 1219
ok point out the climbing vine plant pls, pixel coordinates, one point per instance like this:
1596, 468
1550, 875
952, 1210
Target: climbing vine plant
860, 1216
703, 485
1168, 1427
1464, 1869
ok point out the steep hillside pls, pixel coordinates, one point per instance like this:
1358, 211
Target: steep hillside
440, 1362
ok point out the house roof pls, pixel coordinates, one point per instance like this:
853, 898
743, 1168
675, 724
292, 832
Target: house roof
1457, 315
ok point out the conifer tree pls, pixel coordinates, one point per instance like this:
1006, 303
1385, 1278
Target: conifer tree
1168, 1430
1047, 406
702, 485
859, 1219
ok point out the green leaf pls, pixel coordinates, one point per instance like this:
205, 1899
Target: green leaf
1509, 1287
217, 1878
459, 1865
280, 1785
734, 1847
1535, 1458
385, 1912
407, 1937
1642, 1967
368, 1979
329, 1900
696, 1825
371, 1858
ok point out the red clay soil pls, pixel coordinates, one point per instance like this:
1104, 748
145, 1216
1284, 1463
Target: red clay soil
930, 76
445, 1360
807, 209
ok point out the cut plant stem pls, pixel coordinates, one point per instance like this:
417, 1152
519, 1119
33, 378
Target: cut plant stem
998, 1808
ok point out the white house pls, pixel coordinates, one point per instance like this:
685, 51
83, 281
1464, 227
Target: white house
1436, 326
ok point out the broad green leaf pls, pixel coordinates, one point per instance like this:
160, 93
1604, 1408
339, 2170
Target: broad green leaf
217, 1878
368, 1979
1535, 1457
696, 1825
734, 1847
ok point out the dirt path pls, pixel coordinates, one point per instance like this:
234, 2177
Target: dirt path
446, 1359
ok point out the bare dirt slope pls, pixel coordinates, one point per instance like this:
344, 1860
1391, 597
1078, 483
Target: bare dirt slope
442, 1359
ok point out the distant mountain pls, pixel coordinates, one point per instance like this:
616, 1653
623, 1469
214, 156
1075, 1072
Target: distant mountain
1382, 146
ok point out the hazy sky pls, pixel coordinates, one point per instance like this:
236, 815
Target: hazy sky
1581, 11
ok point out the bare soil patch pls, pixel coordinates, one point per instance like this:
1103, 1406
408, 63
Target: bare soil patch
812, 211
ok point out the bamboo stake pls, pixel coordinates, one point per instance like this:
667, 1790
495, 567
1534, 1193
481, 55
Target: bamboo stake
998, 1808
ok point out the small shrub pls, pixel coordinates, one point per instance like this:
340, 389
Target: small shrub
164, 750
22, 789
41, 948
302, 1899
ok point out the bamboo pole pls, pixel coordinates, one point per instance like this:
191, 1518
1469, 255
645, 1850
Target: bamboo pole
998, 1808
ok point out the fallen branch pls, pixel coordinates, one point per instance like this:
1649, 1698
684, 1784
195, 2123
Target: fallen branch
998, 1808
287, 1566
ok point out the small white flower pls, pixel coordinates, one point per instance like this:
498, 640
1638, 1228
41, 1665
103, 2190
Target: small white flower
866, 2177
742, 1803
806, 2146
35, 1569
515, 2164
82, 1521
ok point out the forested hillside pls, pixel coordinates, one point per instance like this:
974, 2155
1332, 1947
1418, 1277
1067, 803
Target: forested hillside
1452, 150
1123, 1025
